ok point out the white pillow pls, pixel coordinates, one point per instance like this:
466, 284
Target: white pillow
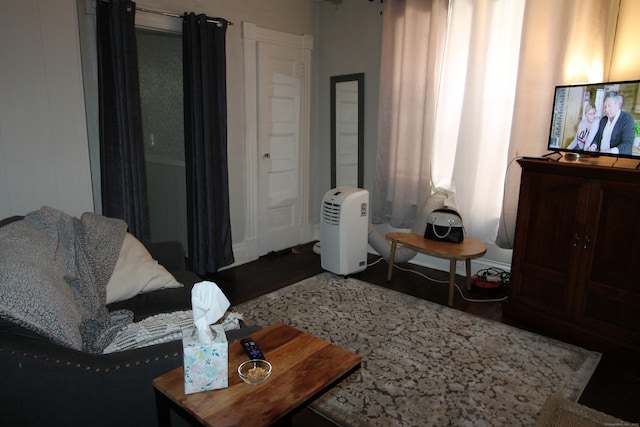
136, 272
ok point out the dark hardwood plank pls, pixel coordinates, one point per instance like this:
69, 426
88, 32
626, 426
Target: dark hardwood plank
614, 388
267, 274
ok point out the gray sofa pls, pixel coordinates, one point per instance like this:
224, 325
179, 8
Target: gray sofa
46, 383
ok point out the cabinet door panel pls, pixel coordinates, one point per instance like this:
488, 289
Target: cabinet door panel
613, 226
574, 272
550, 216
611, 292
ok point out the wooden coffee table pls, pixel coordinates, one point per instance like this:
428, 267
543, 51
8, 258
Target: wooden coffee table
303, 368
465, 251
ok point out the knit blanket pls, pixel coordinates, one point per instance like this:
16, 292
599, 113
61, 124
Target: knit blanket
54, 269
162, 328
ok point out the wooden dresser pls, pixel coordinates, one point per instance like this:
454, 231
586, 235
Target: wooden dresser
576, 258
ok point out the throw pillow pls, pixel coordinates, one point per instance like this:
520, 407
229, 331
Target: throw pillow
136, 272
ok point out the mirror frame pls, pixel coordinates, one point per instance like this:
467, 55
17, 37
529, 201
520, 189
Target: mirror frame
334, 80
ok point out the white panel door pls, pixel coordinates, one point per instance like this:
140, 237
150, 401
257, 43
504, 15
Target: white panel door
279, 130
277, 113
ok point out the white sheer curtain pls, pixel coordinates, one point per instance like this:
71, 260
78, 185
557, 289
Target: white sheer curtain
412, 45
475, 108
446, 99
454, 116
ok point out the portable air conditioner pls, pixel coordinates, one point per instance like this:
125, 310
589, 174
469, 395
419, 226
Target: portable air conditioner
344, 224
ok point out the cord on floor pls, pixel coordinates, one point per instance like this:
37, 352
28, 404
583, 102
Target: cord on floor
409, 270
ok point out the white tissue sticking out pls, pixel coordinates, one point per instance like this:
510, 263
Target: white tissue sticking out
209, 305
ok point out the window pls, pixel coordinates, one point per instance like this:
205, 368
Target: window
161, 98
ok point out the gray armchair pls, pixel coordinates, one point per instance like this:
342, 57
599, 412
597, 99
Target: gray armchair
43, 383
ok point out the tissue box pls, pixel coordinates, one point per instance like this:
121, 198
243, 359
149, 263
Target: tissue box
205, 365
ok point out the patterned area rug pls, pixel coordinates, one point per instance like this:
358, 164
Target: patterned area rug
424, 364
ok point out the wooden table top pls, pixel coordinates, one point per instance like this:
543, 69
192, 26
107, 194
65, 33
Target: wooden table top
303, 367
467, 249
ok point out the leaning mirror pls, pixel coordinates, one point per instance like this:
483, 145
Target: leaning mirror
347, 130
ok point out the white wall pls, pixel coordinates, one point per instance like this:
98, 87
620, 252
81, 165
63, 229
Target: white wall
348, 42
625, 62
44, 156
43, 142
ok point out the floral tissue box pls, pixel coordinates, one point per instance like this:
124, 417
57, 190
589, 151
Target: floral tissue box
205, 365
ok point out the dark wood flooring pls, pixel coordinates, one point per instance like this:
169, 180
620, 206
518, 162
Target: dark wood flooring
614, 388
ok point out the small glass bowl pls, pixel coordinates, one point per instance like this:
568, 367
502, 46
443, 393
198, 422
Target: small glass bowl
254, 371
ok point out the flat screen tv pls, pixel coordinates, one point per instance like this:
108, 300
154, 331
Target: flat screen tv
595, 119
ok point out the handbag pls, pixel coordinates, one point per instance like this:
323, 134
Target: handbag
445, 225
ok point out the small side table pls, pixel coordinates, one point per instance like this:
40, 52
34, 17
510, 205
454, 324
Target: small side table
465, 251
303, 368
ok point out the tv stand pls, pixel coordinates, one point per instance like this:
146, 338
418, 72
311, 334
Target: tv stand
574, 272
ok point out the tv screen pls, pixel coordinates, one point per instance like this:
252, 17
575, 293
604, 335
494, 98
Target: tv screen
596, 119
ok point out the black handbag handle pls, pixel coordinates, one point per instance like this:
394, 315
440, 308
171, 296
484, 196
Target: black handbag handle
433, 226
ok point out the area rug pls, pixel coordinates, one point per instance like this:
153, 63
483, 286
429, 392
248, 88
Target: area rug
424, 364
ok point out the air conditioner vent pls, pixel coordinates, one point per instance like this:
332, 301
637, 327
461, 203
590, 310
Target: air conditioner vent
331, 212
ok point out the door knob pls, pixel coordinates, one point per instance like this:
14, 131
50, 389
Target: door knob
267, 155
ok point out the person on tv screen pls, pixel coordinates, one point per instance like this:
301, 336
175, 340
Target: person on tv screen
617, 128
587, 129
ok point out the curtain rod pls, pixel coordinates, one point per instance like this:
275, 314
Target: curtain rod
174, 15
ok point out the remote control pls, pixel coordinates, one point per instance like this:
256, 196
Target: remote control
251, 348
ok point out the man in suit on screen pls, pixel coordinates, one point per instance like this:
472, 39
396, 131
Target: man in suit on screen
617, 128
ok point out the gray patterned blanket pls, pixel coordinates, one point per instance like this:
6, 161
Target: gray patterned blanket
54, 269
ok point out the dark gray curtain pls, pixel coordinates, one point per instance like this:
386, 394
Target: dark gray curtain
205, 122
124, 187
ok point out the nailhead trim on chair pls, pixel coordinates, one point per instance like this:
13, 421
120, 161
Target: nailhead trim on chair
87, 367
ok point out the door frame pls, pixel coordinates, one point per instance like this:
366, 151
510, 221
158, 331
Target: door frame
252, 35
